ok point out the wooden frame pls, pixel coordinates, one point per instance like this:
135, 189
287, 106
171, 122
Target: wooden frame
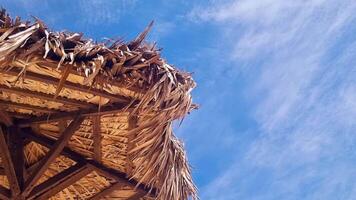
9, 167
52, 154
98, 167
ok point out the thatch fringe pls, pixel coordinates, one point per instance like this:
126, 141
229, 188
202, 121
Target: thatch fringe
158, 155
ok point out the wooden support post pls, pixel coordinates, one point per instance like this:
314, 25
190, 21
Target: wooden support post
16, 148
133, 120
107, 191
61, 180
97, 138
8, 165
52, 154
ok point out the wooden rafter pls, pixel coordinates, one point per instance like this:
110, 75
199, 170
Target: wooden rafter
5, 118
97, 137
6, 104
112, 109
8, 165
101, 169
60, 181
107, 191
67, 84
44, 96
53, 153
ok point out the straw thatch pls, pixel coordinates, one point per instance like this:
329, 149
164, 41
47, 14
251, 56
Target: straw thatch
132, 78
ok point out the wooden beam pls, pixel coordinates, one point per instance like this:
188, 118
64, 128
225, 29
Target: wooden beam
101, 169
61, 180
2, 171
66, 183
6, 104
45, 96
97, 137
5, 118
53, 153
112, 109
107, 191
16, 148
67, 84
136, 196
130, 145
4, 193
8, 165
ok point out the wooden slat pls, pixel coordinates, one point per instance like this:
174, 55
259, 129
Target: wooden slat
105, 79
4, 193
8, 165
69, 115
101, 169
2, 171
69, 85
5, 118
6, 104
107, 191
97, 137
45, 96
53, 153
55, 181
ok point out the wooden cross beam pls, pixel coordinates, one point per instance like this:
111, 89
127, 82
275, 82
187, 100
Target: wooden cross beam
107, 191
101, 169
60, 181
8, 166
45, 96
52, 154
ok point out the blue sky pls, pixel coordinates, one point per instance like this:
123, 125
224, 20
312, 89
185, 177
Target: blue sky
276, 85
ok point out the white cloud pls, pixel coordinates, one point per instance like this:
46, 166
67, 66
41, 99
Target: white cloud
305, 91
104, 11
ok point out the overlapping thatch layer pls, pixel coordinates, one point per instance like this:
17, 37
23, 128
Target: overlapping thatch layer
75, 75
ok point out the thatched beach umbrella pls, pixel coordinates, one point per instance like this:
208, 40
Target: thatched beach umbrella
87, 120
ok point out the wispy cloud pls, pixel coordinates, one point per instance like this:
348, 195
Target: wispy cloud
304, 90
109, 11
